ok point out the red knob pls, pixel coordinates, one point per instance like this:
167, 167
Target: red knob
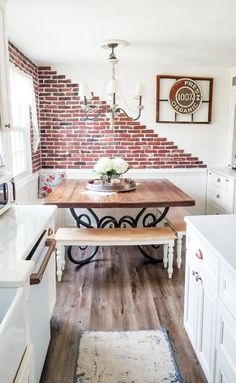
50, 231
199, 254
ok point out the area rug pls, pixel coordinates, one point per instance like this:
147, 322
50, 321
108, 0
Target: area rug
126, 357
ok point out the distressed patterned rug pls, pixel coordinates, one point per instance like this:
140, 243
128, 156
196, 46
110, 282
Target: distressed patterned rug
126, 357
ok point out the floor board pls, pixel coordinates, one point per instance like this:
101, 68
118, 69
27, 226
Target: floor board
119, 291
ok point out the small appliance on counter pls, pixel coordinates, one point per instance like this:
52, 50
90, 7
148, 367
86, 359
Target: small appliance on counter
7, 192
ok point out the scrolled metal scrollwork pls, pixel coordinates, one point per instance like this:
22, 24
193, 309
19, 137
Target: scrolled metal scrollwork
84, 220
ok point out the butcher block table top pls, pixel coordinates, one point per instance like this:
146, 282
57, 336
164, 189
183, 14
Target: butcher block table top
148, 193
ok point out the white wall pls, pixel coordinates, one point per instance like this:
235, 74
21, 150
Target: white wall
208, 142
27, 190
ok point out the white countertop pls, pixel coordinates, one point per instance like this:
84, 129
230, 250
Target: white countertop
227, 172
219, 231
20, 227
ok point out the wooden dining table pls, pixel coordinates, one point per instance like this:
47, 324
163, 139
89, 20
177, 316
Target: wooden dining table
155, 193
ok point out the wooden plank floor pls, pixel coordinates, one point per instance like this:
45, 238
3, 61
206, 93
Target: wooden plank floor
120, 291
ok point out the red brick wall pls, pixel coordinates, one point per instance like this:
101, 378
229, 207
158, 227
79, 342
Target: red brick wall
25, 64
69, 142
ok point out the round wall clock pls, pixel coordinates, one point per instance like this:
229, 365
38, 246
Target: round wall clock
185, 96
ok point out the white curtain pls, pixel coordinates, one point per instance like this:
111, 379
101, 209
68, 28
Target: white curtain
22, 102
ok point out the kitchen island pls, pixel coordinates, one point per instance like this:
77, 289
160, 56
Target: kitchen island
210, 294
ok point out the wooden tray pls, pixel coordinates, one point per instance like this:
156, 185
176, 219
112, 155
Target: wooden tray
116, 185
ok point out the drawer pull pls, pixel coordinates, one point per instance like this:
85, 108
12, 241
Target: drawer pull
218, 180
199, 254
36, 278
197, 277
217, 196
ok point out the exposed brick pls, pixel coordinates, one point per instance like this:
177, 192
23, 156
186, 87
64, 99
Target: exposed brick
68, 141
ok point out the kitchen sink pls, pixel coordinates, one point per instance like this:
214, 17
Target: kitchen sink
13, 338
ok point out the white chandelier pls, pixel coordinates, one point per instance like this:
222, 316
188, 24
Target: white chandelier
93, 111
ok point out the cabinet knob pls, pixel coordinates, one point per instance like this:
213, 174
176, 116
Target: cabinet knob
8, 126
197, 277
218, 196
199, 254
218, 180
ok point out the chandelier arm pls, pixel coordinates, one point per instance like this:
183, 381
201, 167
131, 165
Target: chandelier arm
134, 119
97, 115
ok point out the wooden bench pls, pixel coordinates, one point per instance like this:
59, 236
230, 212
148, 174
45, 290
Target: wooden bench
115, 237
175, 219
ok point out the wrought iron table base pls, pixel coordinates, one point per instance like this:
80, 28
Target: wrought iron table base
84, 220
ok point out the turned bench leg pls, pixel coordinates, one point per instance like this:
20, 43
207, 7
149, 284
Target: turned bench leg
179, 250
59, 257
165, 255
63, 260
170, 259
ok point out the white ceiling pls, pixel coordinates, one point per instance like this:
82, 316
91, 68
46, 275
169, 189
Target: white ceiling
183, 32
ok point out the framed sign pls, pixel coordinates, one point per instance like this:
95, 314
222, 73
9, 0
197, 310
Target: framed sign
184, 99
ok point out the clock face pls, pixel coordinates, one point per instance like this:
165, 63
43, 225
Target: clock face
185, 96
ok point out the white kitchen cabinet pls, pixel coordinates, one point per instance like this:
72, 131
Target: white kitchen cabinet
191, 295
221, 191
210, 294
200, 303
206, 317
24, 373
225, 346
226, 330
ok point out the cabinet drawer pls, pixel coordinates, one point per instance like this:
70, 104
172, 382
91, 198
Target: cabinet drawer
205, 261
218, 180
218, 195
228, 290
215, 209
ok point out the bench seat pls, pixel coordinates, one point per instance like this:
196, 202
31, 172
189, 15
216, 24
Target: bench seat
115, 237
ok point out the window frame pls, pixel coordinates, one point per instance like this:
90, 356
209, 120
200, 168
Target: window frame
27, 132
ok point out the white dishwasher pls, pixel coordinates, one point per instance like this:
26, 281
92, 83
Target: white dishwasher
42, 298
27, 291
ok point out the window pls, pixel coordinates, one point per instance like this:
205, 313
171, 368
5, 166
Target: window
24, 113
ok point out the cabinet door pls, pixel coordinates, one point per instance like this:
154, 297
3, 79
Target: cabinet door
24, 374
225, 346
206, 328
191, 303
